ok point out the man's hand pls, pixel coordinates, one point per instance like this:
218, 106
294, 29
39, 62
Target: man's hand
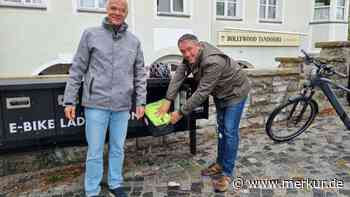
140, 112
69, 112
164, 108
175, 117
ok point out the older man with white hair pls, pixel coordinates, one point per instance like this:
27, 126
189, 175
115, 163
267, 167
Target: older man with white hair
110, 60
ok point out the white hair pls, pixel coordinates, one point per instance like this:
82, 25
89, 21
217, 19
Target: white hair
125, 3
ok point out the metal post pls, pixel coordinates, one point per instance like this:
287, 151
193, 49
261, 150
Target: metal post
348, 94
193, 140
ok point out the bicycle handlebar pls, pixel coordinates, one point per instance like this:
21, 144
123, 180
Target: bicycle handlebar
329, 69
338, 73
305, 54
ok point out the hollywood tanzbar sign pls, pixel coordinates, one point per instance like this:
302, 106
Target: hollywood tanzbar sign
251, 38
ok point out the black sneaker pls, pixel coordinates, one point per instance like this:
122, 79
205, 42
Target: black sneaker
117, 192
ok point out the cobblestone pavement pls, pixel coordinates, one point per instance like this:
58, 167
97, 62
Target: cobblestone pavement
322, 153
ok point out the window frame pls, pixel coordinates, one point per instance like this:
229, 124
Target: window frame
343, 7
24, 4
278, 12
184, 13
332, 13
238, 10
322, 7
91, 9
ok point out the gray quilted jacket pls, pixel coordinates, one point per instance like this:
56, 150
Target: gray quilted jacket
111, 63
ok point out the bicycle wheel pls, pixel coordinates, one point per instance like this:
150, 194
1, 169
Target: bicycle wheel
289, 120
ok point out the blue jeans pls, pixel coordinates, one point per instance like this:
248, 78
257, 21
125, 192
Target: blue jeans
228, 119
97, 121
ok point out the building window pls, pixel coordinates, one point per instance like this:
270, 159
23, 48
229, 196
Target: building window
24, 3
322, 9
340, 10
227, 8
172, 7
269, 10
93, 5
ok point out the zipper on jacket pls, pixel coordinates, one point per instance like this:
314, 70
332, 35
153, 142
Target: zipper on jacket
90, 87
113, 69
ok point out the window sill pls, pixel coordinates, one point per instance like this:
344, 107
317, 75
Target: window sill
174, 14
92, 10
328, 22
12, 5
270, 21
220, 18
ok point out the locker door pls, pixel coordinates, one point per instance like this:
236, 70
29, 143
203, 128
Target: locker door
28, 114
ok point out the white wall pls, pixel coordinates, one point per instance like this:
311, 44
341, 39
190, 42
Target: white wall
165, 30
264, 57
31, 38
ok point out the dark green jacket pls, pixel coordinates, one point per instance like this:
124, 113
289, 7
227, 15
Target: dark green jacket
217, 75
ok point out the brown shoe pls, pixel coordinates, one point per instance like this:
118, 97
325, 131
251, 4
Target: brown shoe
221, 184
211, 170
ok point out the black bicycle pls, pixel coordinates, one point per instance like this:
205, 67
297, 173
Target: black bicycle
292, 118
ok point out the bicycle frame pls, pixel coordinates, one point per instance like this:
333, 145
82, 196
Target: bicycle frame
325, 85
296, 115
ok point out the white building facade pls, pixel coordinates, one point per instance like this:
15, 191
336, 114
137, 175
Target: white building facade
36, 34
